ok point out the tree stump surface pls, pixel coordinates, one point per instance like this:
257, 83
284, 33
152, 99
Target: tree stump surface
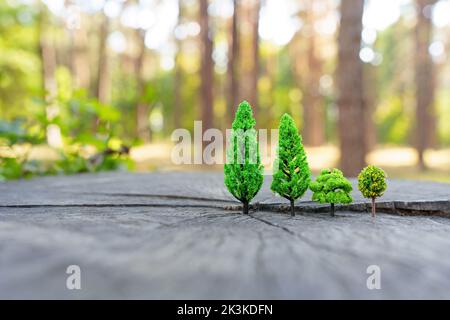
177, 235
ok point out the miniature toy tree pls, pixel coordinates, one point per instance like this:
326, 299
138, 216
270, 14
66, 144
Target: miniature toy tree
372, 184
331, 187
291, 176
243, 169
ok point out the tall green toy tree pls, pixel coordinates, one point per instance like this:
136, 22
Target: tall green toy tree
372, 184
243, 169
291, 176
331, 187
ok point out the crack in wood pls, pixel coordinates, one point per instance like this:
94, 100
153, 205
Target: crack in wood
306, 240
109, 205
440, 208
159, 196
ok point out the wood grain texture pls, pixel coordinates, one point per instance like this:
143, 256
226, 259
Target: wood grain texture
167, 235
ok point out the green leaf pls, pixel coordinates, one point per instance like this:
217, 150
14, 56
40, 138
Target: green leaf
292, 175
372, 182
331, 187
243, 170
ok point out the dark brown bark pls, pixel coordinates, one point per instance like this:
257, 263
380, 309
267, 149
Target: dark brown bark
332, 210
245, 207
352, 131
292, 208
425, 119
233, 58
206, 72
142, 108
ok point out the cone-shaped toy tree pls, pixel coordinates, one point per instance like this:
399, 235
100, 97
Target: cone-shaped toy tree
243, 169
291, 176
372, 184
331, 187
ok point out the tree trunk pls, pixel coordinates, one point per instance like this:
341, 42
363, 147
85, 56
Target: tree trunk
178, 77
373, 208
370, 92
425, 121
253, 97
313, 109
292, 208
270, 72
245, 207
177, 103
103, 82
233, 58
352, 130
142, 110
79, 57
206, 72
103, 85
332, 210
48, 60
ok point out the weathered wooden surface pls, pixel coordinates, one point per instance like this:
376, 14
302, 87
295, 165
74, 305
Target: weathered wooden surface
175, 235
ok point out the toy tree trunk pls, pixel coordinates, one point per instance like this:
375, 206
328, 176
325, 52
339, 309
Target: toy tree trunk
332, 210
292, 208
245, 207
373, 208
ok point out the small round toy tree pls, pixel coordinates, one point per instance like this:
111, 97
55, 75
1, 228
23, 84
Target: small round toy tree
372, 184
291, 176
331, 187
243, 169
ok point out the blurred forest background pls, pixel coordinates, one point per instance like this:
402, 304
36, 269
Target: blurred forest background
89, 85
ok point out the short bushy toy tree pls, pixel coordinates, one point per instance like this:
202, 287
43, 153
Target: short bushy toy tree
243, 169
372, 184
331, 187
291, 176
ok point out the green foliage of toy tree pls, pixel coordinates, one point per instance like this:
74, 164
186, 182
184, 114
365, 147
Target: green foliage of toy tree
291, 176
243, 170
372, 184
331, 187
